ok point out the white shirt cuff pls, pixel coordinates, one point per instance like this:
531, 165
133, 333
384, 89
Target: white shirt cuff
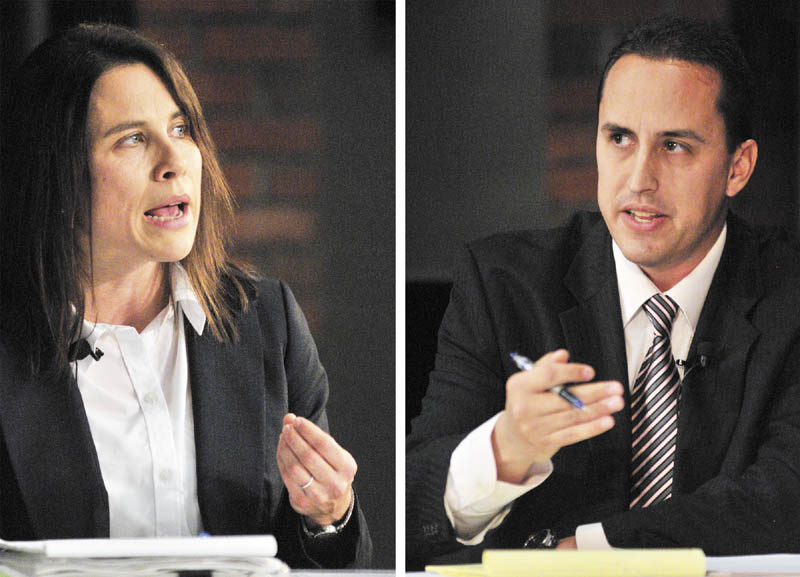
475, 501
591, 536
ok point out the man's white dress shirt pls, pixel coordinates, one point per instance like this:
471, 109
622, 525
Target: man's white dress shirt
475, 500
139, 406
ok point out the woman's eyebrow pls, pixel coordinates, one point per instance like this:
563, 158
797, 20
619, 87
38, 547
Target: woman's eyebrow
123, 126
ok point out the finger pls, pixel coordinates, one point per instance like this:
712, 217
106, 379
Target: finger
556, 422
289, 418
313, 487
293, 472
326, 446
306, 454
539, 430
548, 402
557, 356
581, 432
331, 484
326, 493
547, 375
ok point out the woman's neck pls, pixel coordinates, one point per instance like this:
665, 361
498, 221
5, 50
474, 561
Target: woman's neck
133, 298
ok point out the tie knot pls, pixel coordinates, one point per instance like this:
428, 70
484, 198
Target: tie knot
661, 311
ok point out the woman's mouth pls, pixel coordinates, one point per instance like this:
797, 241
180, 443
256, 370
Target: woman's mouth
166, 213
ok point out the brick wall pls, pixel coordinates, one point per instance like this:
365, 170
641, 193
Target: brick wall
252, 63
580, 34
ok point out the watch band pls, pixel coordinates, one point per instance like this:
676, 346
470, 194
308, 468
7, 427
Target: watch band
544, 539
333, 529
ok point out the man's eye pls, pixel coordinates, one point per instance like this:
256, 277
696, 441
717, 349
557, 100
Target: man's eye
620, 139
673, 146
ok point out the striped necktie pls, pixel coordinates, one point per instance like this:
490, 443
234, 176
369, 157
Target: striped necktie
654, 411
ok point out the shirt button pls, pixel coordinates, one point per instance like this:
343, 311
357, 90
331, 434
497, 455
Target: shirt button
165, 475
149, 398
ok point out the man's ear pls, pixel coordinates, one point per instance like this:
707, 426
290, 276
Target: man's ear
742, 165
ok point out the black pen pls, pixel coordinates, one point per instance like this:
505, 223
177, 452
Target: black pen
526, 364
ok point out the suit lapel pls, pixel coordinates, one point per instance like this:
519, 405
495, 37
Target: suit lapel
593, 334
229, 416
53, 456
711, 396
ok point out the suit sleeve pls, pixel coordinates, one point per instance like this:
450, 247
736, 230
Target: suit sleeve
753, 505
307, 385
465, 389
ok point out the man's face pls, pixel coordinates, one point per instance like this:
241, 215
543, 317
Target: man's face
146, 172
663, 168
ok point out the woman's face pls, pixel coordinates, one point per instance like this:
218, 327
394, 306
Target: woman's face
145, 170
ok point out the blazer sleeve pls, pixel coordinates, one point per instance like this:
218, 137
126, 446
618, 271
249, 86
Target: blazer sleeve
465, 389
307, 393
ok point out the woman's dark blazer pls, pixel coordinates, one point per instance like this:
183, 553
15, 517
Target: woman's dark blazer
50, 481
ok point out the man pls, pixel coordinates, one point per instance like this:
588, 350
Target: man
675, 318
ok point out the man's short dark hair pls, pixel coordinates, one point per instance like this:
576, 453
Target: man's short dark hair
706, 43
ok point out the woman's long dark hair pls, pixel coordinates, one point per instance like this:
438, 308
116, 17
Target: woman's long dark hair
45, 194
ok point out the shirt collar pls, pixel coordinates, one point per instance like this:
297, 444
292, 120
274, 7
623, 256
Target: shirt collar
182, 296
690, 293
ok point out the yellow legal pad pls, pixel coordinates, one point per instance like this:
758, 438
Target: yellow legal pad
614, 563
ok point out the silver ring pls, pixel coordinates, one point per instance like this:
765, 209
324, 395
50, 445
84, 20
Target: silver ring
307, 485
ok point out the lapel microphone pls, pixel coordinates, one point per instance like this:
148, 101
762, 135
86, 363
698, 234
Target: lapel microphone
701, 358
704, 351
81, 349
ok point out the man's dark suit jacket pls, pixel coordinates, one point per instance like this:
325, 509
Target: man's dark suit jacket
50, 481
737, 465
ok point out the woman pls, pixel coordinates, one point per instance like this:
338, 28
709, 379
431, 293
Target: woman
149, 385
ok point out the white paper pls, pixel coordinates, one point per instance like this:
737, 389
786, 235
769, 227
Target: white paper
222, 546
144, 566
754, 564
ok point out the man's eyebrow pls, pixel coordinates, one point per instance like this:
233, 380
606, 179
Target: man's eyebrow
123, 126
616, 128
689, 134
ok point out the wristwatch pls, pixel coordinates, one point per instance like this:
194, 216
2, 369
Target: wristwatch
330, 529
544, 539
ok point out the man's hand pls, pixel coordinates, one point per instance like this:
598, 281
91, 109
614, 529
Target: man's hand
567, 543
537, 423
317, 472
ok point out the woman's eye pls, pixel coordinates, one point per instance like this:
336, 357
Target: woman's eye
180, 131
133, 139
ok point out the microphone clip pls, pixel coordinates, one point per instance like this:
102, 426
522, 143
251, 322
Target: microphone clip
701, 358
81, 349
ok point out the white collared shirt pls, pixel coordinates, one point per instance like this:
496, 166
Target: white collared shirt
475, 500
139, 407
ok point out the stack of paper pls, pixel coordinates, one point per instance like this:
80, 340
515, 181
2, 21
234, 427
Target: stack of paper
613, 563
622, 563
218, 556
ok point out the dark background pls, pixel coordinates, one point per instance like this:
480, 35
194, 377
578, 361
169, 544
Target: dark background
300, 99
501, 122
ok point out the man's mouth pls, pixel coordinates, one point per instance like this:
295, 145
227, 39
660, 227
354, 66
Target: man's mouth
643, 217
165, 213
